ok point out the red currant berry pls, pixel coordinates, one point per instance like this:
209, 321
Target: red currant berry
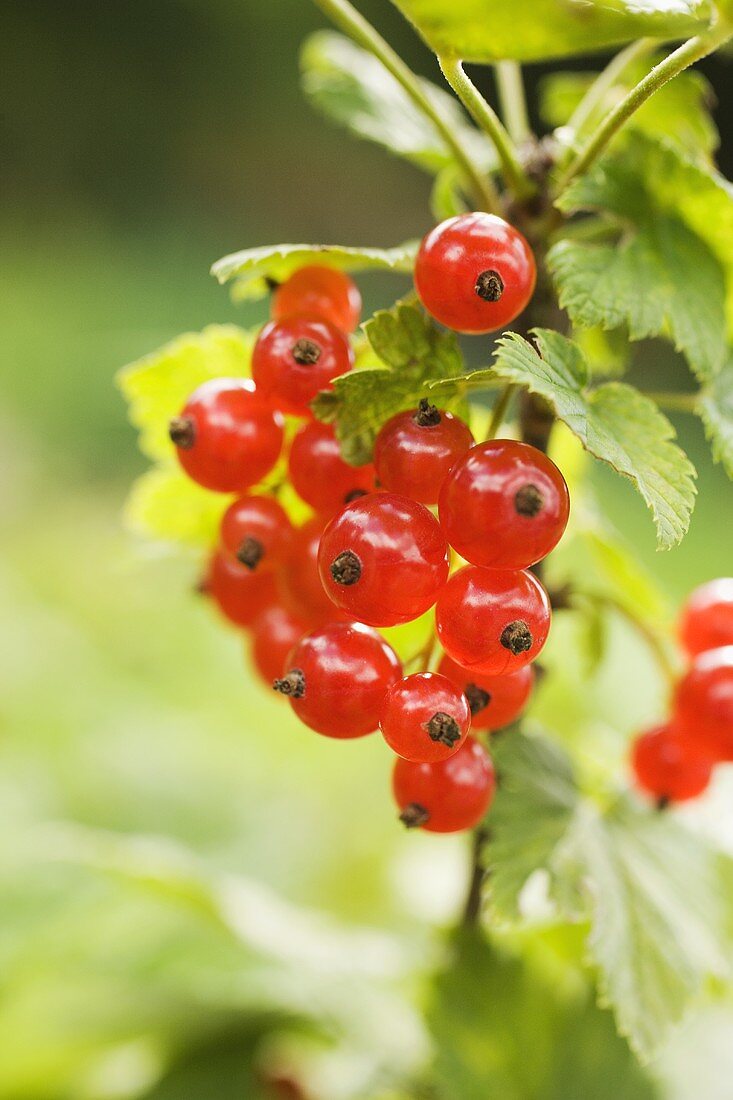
425, 717
703, 702
475, 273
227, 437
295, 359
706, 621
448, 795
256, 531
319, 474
383, 559
239, 594
323, 292
494, 701
300, 579
493, 621
414, 451
504, 505
668, 767
274, 634
337, 678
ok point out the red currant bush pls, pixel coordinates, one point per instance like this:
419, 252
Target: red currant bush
239, 594
256, 531
322, 292
415, 450
703, 702
383, 559
446, 796
274, 634
504, 505
295, 358
337, 678
227, 437
319, 474
425, 718
475, 273
668, 767
494, 701
706, 621
492, 621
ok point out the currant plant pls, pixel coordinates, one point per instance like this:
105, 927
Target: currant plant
364, 479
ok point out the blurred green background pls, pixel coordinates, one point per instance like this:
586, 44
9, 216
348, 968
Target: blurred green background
186, 873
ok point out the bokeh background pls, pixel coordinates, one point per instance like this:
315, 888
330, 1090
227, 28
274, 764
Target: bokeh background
196, 894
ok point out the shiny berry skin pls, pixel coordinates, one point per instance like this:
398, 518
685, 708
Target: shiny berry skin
322, 292
492, 621
425, 718
274, 633
446, 796
227, 436
319, 474
703, 702
668, 767
239, 594
494, 701
475, 273
415, 450
504, 505
706, 621
296, 358
337, 678
383, 559
256, 531
300, 579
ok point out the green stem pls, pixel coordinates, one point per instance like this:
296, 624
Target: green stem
675, 402
675, 63
513, 101
486, 117
603, 83
345, 16
654, 641
498, 413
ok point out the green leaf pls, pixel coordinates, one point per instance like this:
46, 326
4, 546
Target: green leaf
679, 111
715, 407
490, 30
253, 267
165, 504
672, 268
354, 89
157, 386
615, 422
412, 351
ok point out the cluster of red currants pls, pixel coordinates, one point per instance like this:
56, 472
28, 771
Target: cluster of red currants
374, 555
674, 761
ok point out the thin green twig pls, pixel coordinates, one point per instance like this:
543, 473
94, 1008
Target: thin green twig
675, 402
603, 83
513, 100
498, 413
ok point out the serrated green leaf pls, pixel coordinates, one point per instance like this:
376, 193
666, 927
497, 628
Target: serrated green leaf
715, 407
615, 422
165, 504
490, 30
253, 267
354, 89
671, 272
413, 350
157, 386
679, 111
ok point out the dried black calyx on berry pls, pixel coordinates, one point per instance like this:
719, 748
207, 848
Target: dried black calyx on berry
354, 494
250, 552
478, 699
489, 286
182, 432
443, 728
517, 637
427, 415
292, 684
528, 501
306, 352
346, 568
414, 815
